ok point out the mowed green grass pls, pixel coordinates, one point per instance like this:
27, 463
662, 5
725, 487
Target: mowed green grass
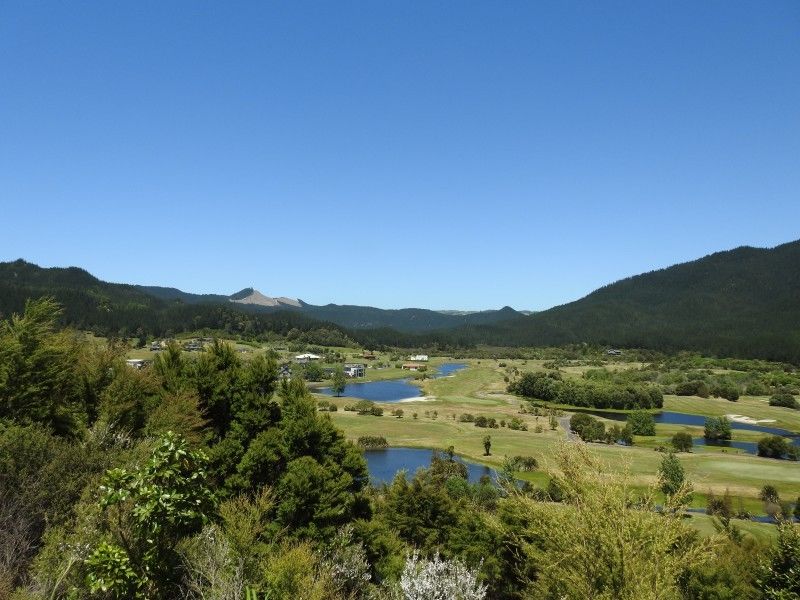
704, 524
481, 390
426, 432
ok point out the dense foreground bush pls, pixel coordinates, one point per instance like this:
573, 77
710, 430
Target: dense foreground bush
206, 477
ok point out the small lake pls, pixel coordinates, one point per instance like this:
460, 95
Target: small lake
676, 418
391, 390
448, 369
749, 447
384, 464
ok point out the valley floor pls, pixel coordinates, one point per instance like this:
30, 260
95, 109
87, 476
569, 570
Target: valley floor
480, 390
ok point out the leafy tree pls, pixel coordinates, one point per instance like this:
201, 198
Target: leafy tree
772, 446
693, 388
682, 441
312, 371
769, 494
729, 391
322, 486
717, 428
588, 428
785, 400
339, 381
487, 445
39, 379
730, 574
42, 478
628, 550
779, 577
671, 478
642, 423
149, 510
579, 421
420, 511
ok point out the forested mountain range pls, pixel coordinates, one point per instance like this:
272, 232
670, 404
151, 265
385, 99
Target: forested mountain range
406, 320
741, 302
129, 310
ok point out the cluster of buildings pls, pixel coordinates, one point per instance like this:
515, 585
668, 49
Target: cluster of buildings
193, 345
417, 362
350, 369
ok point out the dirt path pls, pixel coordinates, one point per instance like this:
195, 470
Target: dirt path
564, 422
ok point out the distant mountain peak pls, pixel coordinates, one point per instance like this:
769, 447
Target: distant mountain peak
253, 296
242, 294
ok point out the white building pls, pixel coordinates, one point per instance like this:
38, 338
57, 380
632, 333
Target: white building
302, 359
419, 358
355, 370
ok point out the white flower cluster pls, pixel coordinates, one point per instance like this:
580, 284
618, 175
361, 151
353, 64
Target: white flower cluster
347, 563
439, 579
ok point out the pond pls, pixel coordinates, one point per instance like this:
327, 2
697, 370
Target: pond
676, 418
749, 447
391, 390
384, 464
447, 369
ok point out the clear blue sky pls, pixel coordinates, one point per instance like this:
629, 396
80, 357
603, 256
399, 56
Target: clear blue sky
433, 154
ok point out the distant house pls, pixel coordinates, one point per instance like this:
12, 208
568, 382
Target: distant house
368, 356
613, 352
355, 370
302, 359
193, 346
413, 366
419, 358
136, 363
156, 347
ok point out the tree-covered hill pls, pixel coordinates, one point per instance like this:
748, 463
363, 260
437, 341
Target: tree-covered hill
127, 310
87, 302
406, 320
742, 302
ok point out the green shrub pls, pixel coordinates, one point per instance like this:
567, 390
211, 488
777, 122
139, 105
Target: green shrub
717, 428
371, 442
773, 446
682, 442
785, 400
641, 423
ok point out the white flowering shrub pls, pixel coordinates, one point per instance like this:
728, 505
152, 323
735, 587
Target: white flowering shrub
346, 562
439, 579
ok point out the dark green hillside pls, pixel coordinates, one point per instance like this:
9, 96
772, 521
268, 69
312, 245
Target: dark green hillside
168, 293
407, 320
743, 302
126, 310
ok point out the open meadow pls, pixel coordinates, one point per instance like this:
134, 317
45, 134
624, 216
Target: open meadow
435, 422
